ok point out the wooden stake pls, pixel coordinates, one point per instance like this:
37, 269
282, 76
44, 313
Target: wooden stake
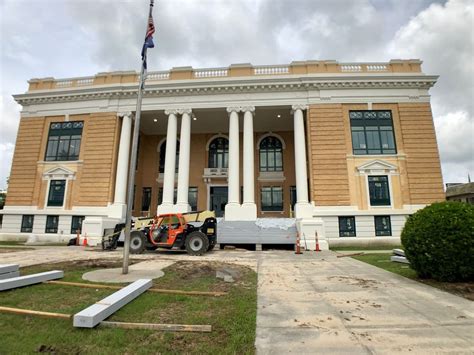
155, 326
343, 256
35, 313
157, 290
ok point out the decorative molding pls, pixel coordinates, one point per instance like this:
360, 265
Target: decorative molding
233, 109
59, 173
169, 112
125, 113
270, 134
377, 167
248, 109
182, 111
214, 137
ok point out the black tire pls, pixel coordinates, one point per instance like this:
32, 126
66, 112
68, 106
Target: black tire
197, 243
137, 242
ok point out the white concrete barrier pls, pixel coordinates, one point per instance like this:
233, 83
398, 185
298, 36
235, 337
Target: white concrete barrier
93, 315
20, 281
9, 275
5, 268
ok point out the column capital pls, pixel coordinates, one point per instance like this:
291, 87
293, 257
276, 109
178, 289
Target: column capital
182, 111
172, 111
248, 109
233, 109
125, 113
301, 107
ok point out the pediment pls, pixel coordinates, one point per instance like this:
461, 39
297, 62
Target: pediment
377, 166
59, 172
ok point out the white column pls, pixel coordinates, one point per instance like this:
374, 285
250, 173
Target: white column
249, 208
170, 163
232, 208
184, 158
302, 208
123, 158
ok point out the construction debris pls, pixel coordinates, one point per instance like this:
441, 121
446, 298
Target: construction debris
398, 252
399, 256
29, 312
345, 255
21, 281
8, 271
155, 326
93, 315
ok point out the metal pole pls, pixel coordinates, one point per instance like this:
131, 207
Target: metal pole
133, 158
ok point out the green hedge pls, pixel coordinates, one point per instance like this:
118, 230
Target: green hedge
439, 241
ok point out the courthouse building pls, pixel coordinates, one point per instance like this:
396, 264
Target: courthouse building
345, 149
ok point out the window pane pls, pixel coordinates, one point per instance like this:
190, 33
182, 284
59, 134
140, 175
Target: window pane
56, 193
263, 160
192, 198
64, 141
372, 132
52, 224
278, 161
52, 148
379, 191
347, 227
76, 224
146, 198
27, 223
271, 161
382, 226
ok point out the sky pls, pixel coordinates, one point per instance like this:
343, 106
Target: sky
70, 38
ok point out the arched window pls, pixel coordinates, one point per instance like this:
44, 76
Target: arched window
219, 153
271, 156
163, 155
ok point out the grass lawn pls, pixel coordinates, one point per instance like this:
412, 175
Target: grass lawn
233, 317
463, 289
366, 247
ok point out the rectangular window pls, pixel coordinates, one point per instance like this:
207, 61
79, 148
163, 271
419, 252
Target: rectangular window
64, 141
347, 227
56, 193
293, 197
193, 198
146, 198
76, 224
379, 191
272, 198
372, 132
383, 226
160, 195
27, 223
52, 224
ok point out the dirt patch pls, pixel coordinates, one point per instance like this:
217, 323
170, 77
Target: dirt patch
13, 250
355, 281
463, 289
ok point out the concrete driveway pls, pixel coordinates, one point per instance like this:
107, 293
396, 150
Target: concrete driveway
318, 304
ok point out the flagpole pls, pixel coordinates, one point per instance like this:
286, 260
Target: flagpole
133, 156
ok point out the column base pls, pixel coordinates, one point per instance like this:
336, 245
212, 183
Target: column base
232, 212
166, 208
303, 210
117, 210
182, 208
248, 212
308, 228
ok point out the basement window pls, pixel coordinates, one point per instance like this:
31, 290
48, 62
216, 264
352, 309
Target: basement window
347, 227
76, 224
27, 223
383, 227
52, 224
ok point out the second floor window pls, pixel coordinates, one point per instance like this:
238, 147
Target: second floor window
372, 132
271, 155
64, 141
163, 157
219, 153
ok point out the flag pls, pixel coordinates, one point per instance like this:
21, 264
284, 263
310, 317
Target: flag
148, 38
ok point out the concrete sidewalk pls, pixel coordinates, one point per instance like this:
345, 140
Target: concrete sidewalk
318, 304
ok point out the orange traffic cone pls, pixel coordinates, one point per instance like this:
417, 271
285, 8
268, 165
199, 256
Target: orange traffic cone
298, 248
317, 242
84, 242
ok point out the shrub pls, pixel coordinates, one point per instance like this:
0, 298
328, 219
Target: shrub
439, 241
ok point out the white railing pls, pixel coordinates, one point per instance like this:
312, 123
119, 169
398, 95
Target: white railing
215, 172
85, 81
63, 83
157, 75
210, 73
377, 67
351, 68
271, 70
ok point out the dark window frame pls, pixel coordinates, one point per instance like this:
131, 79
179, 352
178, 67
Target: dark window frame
162, 157
344, 230
218, 155
293, 197
75, 225
273, 206
146, 198
50, 226
67, 135
27, 227
372, 128
54, 201
271, 154
383, 232
193, 197
375, 198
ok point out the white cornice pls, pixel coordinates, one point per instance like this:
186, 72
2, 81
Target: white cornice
237, 85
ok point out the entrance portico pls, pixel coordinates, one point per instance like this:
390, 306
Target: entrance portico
238, 159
